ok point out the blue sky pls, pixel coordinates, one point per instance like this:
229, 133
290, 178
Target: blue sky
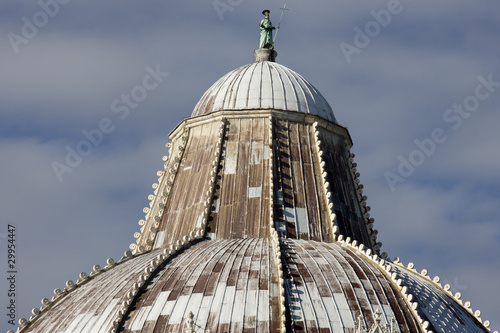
442, 213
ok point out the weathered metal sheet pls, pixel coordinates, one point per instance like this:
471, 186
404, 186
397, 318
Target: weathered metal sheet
436, 306
186, 201
303, 214
230, 282
327, 289
92, 306
224, 283
349, 215
244, 177
231, 285
264, 85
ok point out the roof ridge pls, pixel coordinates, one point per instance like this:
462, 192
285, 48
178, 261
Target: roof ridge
71, 286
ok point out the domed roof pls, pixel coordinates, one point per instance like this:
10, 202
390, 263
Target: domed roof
232, 285
264, 85
258, 223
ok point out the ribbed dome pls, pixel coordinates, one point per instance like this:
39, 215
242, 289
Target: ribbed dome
230, 286
264, 85
258, 223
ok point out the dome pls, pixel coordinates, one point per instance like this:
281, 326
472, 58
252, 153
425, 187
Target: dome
257, 223
264, 85
231, 285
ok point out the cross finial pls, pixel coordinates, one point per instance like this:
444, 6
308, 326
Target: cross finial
279, 24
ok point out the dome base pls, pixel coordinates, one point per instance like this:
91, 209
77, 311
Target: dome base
265, 55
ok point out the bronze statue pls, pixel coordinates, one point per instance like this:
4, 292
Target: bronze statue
266, 32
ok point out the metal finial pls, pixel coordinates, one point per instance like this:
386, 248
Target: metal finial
279, 23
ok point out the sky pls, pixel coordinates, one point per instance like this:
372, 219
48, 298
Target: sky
83, 126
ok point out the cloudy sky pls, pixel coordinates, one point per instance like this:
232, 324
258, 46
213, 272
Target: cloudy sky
417, 83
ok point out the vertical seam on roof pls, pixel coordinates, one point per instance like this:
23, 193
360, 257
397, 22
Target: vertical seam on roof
320, 272
271, 84
202, 270
309, 86
335, 255
240, 77
378, 277
228, 245
229, 90
232, 255
325, 107
337, 309
223, 80
304, 84
282, 74
347, 260
250, 84
290, 75
354, 261
260, 83
282, 88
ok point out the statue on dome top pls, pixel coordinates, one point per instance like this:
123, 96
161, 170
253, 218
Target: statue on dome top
266, 31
